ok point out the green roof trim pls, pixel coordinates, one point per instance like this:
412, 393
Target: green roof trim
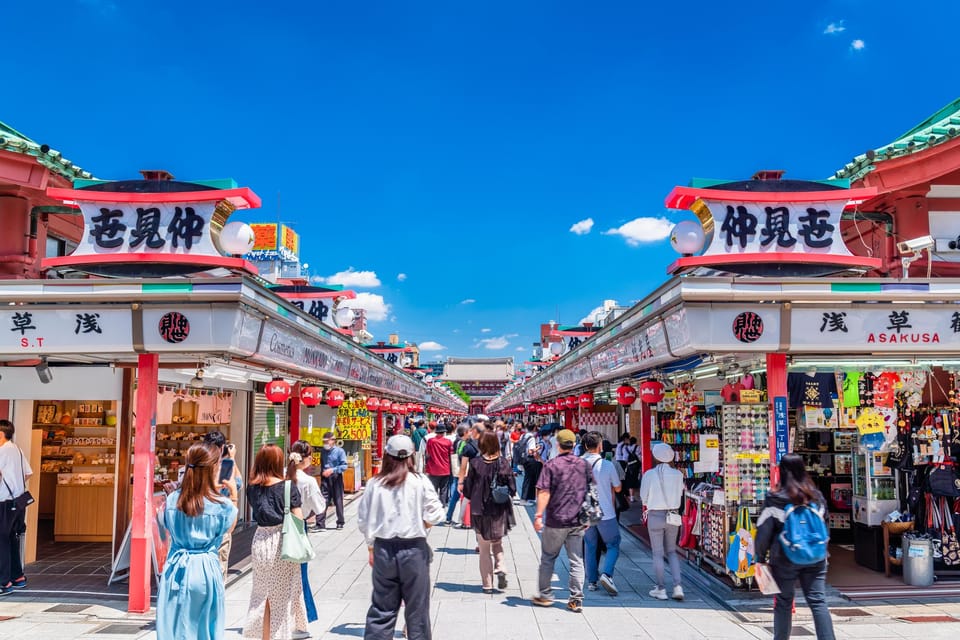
15, 142
942, 126
165, 287
854, 287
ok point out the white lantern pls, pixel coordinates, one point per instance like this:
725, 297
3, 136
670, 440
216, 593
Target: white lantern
557, 348
687, 238
236, 238
427, 379
344, 317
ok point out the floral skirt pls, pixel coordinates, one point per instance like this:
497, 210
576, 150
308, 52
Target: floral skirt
279, 582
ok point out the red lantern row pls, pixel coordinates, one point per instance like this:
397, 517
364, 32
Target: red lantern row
279, 391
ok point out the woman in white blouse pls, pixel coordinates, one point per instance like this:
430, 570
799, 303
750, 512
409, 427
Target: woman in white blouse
313, 504
661, 492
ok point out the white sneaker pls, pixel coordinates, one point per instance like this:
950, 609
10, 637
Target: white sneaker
677, 593
658, 593
607, 583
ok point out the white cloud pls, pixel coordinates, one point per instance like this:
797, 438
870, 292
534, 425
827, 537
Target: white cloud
468, 301
858, 45
352, 278
377, 309
494, 344
485, 330
583, 227
430, 345
456, 330
834, 28
521, 348
641, 230
401, 277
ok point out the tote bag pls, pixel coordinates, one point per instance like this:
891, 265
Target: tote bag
741, 554
294, 546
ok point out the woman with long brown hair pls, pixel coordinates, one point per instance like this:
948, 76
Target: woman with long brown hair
396, 509
491, 520
277, 609
190, 602
796, 489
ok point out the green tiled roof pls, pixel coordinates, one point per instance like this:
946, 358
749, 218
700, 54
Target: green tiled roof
13, 140
942, 126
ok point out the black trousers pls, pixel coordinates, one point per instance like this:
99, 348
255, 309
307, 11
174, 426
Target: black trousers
441, 485
531, 473
401, 573
332, 490
11, 526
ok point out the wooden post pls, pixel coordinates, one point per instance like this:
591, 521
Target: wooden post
141, 537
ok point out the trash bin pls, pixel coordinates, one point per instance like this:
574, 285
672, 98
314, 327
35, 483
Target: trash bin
917, 561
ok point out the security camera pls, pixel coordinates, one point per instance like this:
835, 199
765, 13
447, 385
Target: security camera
916, 245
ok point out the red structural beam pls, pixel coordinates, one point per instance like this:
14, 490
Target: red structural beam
240, 197
684, 197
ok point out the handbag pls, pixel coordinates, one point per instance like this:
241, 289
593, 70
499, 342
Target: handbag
949, 545
943, 481
765, 582
674, 519
500, 492
294, 545
741, 554
687, 538
25, 499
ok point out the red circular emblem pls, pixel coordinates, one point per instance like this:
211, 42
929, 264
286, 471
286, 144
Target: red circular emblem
748, 327
174, 327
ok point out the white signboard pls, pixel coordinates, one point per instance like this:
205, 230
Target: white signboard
67, 329
279, 345
147, 228
739, 328
783, 227
876, 328
191, 327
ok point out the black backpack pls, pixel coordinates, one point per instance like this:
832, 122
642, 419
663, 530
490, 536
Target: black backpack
520, 453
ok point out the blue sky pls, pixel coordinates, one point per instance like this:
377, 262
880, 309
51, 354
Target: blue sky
457, 143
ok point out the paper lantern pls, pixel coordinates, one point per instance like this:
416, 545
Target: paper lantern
278, 391
687, 237
586, 400
651, 391
335, 398
236, 238
551, 407
400, 408
570, 402
626, 395
373, 404
311, 396
385, 405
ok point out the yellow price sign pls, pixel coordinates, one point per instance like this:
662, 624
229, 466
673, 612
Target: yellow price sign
712, 443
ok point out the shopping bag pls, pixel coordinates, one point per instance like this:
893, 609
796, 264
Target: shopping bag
740, 551
765, 582
687, 538
294, 545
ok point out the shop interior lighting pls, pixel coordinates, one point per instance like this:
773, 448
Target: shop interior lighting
196, 382
44, 372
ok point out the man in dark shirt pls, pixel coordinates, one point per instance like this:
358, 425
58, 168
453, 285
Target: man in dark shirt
560, 491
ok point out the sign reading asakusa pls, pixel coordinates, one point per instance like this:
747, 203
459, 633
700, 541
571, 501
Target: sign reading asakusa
898, 328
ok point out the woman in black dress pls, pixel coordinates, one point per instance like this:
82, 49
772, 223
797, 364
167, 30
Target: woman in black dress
491, 520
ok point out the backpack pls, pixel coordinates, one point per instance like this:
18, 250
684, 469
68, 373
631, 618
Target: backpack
805, 535
520, 453
590, 511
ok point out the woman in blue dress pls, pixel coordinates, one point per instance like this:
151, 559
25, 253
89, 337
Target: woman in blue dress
190, 602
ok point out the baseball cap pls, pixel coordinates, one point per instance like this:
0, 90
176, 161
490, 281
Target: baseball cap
565, 436
663, 452
399, 446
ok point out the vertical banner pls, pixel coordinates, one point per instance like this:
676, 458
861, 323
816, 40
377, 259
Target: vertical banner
781, 429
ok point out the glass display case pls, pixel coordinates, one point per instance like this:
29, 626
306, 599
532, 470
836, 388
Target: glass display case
874, 488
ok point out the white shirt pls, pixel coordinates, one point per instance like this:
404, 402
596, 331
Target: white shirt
11, 472
398, 512
606, 476
312, 500
623, 452
554, 448
662, 488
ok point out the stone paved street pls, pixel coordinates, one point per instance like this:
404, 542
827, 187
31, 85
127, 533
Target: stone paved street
340, 578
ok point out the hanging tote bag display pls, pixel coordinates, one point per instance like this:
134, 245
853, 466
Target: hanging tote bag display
688, 540
949, 545
741, 554
294, 545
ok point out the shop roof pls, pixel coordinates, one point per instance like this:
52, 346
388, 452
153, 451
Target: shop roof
941, 127
14, 141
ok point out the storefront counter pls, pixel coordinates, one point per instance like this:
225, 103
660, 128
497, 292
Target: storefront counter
84, 513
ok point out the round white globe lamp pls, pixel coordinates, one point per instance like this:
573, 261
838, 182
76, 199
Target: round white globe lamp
236, 238
344, 317
687, 238
556, 348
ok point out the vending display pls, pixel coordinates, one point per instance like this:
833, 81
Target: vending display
874, 488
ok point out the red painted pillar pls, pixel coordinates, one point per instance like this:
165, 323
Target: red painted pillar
141, 531
380, 425
646, 436
294, 415
777, 397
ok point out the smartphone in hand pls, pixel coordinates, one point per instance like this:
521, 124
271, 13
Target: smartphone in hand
226, 469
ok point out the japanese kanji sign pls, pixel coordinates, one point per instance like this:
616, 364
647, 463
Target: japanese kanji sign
354, 422
787, 227
25, 330
904, 328
175, 228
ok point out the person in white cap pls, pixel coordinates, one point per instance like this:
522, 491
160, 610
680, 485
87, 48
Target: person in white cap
661, 492
396, 509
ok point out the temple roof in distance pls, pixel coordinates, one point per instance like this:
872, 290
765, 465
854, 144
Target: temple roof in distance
941, 127
13, 140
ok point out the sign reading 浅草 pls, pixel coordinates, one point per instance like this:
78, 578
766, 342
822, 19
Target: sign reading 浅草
26, 330
887, 327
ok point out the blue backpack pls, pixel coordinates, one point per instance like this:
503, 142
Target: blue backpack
805, 534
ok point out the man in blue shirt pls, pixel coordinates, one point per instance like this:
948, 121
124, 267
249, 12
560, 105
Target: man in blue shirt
333, 462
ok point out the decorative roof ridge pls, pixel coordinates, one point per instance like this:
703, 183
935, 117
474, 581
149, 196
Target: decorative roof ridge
942, 126
16, 142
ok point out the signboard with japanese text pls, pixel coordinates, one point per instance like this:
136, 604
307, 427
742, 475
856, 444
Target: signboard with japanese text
354, 422
876, 328
265, 236
204, 328
289, 240
782, 227
170, 228
286, 347
67, 329
781, 429
734, 327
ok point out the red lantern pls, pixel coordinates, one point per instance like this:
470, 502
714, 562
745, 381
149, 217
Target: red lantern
400, 408
651, 391
570, 402
586, 400
373, 404
335, 398
551, 407
385, 405
311, 396
626, 395
278, 391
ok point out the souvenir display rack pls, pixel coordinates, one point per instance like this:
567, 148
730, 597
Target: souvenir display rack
746, 454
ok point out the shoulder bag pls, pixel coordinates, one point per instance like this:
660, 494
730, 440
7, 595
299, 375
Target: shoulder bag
674, 519
500, 492
25, 499
294, 545
590, 511
943, 481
